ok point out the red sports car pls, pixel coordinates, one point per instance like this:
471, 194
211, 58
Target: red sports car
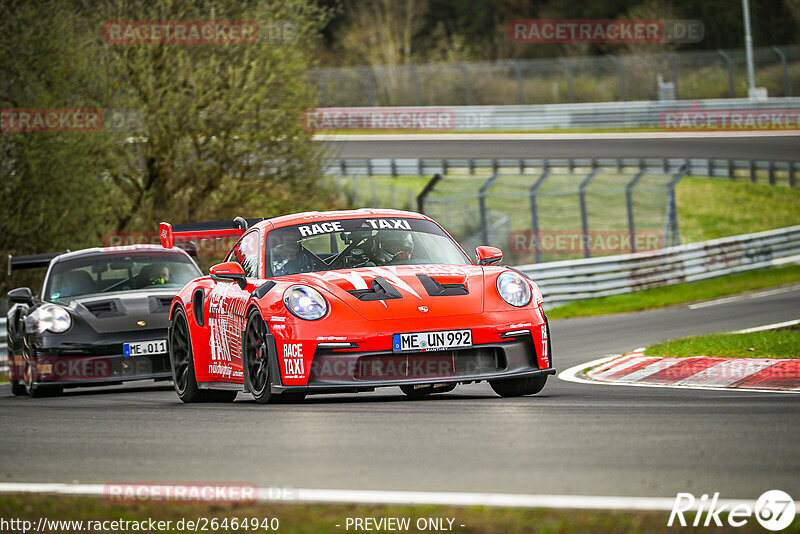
348, 301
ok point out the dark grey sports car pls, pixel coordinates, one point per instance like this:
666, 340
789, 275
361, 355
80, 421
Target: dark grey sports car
101, 319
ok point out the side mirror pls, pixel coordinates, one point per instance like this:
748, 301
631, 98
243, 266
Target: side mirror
21, 295
229, 272
488, 255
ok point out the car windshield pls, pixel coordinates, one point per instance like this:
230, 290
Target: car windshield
114, 272
349, 244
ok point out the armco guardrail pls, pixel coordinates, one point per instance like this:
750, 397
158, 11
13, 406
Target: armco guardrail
640, 114
565, 281
772, 172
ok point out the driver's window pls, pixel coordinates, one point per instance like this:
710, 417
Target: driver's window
246, 254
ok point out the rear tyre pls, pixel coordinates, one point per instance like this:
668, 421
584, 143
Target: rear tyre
425, 391
255, 358
181, 359
517, 387
18, 388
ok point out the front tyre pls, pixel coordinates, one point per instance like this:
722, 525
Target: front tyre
255, 357
517, 387
181, 359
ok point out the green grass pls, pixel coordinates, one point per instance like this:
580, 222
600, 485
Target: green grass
712, 208
679, 293
783, 343
322, 518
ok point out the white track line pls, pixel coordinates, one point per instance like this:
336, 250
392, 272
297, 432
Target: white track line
297, 495
715, 302
575, 374
772, 326
452, 136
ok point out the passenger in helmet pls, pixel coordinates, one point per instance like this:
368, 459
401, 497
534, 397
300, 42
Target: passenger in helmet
288, 258
392, 246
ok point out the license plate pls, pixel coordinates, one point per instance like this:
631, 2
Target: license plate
425, 341
143, 348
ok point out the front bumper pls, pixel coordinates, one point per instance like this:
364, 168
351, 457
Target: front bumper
70, 361
73, 370
337, 371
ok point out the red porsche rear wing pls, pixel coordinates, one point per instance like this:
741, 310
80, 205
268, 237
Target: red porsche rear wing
169, 233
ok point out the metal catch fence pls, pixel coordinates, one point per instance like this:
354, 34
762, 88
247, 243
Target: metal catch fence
685, 75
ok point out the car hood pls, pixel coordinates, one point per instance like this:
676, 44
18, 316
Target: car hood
417, 295
123, 311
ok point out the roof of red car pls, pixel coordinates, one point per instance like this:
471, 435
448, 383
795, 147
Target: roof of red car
311, 216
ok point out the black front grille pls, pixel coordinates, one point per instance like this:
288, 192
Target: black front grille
428, 365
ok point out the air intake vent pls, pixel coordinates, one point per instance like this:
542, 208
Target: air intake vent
381, 290
105, 308
159, 304
435, 289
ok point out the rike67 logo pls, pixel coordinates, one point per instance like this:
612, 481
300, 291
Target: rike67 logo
774, 510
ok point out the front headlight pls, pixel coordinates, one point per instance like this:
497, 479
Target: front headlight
514, 288
51, 317
305, 302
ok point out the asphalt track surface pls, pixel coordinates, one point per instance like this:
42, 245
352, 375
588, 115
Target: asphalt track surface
571, 439
783, 147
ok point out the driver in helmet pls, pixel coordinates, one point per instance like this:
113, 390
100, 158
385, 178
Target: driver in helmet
392, 246
154, 274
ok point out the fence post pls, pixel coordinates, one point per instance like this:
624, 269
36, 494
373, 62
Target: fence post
323, 90
727, 59
417, 86
621, 75
484, 212
671, 222
518, 72
787, 88
534, 213
791, 173
467, 87
771, 172
752, 171
674, 69
629, 202
425, 191
584, 214
369, 84
730, 169
570, 86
